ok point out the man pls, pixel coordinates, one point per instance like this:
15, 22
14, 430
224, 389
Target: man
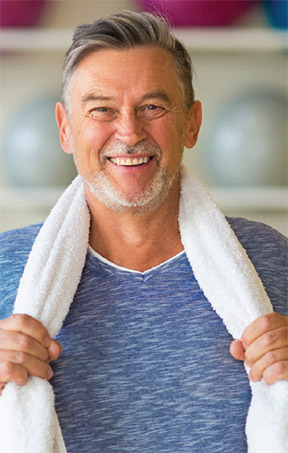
145, 365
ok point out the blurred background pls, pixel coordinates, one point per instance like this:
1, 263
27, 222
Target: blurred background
239, 53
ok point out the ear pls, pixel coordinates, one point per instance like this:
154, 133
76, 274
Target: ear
193, 124
64, 128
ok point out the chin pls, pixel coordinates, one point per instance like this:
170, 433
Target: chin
119, 202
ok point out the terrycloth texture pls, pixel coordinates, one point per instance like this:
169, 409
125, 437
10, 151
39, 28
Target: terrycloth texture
46, 290
50, 279
235, 291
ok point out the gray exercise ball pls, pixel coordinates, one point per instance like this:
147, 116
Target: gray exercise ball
247, 142
32, 152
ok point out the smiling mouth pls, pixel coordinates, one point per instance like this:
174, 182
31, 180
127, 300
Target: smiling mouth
130, 162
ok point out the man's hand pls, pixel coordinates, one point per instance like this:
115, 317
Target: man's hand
264, 347
25, 348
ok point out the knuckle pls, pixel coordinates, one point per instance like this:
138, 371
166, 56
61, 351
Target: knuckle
275, 372
23, 342
20, 357
12, 372
271, 357
268, 338
6, 371
21, 319
266, 321
268, 380
280, 368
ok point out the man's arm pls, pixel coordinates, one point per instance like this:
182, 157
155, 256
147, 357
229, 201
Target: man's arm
264, 347
25, 348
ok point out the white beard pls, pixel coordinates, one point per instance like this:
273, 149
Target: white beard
120, 202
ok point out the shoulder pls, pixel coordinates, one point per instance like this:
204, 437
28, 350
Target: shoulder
261, 241
249, 230
21, 237
268, 251
15, 247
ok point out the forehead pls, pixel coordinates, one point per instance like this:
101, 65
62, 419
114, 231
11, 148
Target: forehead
140, 69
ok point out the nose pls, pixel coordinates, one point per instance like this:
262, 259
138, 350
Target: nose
129, 129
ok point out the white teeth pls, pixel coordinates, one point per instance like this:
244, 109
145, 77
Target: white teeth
128, 162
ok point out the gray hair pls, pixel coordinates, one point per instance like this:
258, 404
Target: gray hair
127, 30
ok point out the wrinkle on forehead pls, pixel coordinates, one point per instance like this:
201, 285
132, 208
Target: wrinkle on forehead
154, 67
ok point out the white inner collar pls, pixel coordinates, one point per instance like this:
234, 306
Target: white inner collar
125, 269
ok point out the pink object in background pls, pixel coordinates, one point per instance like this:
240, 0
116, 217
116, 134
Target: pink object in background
20, 13
199, 13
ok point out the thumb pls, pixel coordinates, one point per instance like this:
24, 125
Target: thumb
55, 350
237, 349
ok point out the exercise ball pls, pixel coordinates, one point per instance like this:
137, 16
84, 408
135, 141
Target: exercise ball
21, 13
32, 152
277, 12
247, 141
199, 12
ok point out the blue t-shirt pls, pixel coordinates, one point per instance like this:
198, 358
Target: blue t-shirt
146, 364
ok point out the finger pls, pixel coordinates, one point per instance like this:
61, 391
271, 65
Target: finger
265, 362
237, 350
28, 326
32, 365
276, 372
55, 350
10, 371
16, 341
262, 325
268, 342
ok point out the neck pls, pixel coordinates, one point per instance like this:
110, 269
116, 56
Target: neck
133, 241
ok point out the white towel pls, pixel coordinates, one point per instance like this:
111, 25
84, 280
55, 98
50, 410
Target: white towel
28, 422
51, 276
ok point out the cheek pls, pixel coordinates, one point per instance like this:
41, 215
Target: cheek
88, 138
89, 133
91, 137
169, 136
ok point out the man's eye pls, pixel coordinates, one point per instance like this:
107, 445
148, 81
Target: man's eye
151, 107
152, 111
102, 113
154, 108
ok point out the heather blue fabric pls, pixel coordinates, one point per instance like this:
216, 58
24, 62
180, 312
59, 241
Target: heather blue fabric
146, 364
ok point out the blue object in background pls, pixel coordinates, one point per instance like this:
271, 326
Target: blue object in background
32, 152
247, 142
277, 12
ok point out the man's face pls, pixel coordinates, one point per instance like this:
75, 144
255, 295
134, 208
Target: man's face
127, 126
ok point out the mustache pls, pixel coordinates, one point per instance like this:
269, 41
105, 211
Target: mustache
119, 149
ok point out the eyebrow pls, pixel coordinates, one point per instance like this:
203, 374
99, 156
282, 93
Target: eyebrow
90, 97
157, 94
